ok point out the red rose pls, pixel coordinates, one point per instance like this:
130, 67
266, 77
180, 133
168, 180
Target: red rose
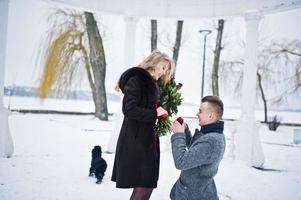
180, 120
163, 117
179, 86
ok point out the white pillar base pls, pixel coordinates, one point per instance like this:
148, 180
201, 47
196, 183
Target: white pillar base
6, 141
115, 133
232, 128
248, 143
257, 159
167, 143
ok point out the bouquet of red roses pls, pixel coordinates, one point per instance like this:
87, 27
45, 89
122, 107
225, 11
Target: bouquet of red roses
169, 98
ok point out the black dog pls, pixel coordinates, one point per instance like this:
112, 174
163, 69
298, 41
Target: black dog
98, 164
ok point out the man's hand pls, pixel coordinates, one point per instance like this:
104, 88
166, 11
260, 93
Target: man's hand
176, 127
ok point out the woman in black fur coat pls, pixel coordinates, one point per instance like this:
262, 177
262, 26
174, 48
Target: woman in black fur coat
137, 158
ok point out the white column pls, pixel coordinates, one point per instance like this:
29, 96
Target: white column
129, 41
248, 145
6, 143
129, 57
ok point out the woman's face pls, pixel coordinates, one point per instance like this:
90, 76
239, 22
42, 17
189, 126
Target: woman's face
160, 70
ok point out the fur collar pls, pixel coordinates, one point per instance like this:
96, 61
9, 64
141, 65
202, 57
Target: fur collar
217, 127
145, 77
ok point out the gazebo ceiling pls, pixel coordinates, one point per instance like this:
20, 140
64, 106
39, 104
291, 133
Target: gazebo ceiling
182, 8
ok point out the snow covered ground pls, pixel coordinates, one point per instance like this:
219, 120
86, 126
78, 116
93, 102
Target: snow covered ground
52, 158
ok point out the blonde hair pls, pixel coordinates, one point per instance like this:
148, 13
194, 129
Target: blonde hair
152, 61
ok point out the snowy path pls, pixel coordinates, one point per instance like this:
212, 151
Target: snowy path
52, 157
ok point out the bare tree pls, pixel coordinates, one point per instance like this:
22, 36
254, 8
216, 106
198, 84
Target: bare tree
217, 52
287, 54
278, 63
177, 45
67, 50
154, 34
98, 64
259, 79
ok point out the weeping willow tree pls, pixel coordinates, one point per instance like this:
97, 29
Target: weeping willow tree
73, 44
279, 70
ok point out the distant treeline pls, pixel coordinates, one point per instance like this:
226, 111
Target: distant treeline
24, 91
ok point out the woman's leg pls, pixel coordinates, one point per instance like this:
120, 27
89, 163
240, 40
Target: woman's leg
141, 193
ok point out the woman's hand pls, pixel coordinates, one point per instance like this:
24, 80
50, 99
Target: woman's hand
161, 113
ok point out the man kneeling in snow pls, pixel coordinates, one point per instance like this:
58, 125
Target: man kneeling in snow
198, 157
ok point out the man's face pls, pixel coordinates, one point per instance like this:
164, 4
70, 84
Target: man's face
204, 114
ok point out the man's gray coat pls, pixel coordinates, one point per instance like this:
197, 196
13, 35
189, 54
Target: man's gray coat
198, 158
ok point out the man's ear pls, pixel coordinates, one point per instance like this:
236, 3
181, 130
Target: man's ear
212, 116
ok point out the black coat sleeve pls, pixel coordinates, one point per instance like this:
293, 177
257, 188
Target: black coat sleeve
131, 106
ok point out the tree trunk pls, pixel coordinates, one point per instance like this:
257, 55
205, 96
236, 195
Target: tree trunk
89, 73
154, 33
263, 98
176, 48
217, 52
98, 64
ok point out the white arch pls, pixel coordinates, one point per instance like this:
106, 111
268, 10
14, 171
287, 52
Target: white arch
6, 142
248, 142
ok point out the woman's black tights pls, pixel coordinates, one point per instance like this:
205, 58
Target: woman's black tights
141, 193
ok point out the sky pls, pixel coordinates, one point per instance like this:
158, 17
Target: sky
25, 33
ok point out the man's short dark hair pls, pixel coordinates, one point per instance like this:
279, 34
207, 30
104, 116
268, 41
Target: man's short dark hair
216, 104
